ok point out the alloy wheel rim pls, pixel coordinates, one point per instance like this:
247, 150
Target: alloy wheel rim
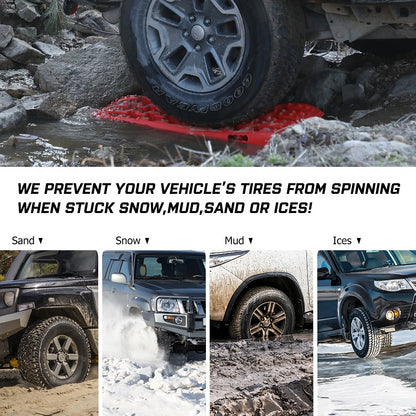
268, 321
357, 333
62, 356
199, 45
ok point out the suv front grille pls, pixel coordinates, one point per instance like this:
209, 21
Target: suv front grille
413, 283
196, 306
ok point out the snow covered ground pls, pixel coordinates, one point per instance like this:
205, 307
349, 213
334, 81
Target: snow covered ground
136, 380
386, 385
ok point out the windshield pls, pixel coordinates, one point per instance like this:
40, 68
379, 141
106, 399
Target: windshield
59, 263
170, 266
358, 260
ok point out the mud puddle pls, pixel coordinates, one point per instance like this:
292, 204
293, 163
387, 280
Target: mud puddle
261, 378
83, 140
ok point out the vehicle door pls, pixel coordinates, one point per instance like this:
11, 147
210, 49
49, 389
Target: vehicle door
115, 266
329, 290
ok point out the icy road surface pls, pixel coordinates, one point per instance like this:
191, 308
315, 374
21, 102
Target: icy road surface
136, 380
385, 385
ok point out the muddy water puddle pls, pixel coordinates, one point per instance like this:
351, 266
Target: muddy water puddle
83, 140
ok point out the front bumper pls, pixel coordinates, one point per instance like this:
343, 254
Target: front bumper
405, 302
192, 326
12, 323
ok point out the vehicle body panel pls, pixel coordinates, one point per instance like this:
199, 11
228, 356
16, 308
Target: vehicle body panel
138, 293
228, 280
37, 298
339, 292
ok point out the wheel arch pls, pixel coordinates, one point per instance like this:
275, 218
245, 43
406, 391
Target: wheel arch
285, 282
352, 297
70, 312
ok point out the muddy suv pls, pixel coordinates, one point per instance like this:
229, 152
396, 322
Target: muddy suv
167, 288
219, 62
48, 316
365, 295
261, 294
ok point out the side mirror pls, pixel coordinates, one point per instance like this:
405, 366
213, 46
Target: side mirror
323, 273
119, 278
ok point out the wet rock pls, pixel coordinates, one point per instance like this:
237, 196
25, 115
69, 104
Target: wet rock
21, 52
5, 63
48, 49
26, 10
352, 93
92, 77
17, 83
91, 22
49, 105
6, 35
94, 39
321, 88
27, 34
5, 101
47, 39
405, 86
12, 117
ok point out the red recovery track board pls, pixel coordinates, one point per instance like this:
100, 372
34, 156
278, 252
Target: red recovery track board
140, 110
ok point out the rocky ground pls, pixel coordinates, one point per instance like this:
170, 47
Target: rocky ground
259, 378
369, 102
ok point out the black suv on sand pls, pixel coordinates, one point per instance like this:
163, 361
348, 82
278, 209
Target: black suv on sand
365, 295
48, 315
167, 288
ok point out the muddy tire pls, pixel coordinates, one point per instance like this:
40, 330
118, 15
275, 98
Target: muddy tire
54, 352
365, 339
263, 313
214, 62
386, 340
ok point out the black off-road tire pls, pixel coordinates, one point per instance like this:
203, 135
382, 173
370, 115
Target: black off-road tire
254, 318
43, 338
386, 340
365, 338
267, 66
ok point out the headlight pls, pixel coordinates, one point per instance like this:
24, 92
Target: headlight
167, 305
392, 285
216, 259
8, 298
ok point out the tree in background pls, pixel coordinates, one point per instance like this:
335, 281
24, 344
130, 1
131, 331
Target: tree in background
6, 260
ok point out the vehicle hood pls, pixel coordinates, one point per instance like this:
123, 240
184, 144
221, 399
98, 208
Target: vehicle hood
49, 282
392, 272
171, 287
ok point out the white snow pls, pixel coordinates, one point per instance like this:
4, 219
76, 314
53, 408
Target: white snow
372, 395
136, 380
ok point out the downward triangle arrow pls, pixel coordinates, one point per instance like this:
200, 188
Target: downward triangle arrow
250, 239
40, 240
359, 240
147, 240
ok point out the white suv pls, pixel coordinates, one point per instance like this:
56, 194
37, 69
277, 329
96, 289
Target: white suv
261, 294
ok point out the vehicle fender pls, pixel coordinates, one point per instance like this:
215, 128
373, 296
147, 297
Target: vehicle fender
354, 292
270, 279
137, 302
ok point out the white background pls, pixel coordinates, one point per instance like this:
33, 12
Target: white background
381, 221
